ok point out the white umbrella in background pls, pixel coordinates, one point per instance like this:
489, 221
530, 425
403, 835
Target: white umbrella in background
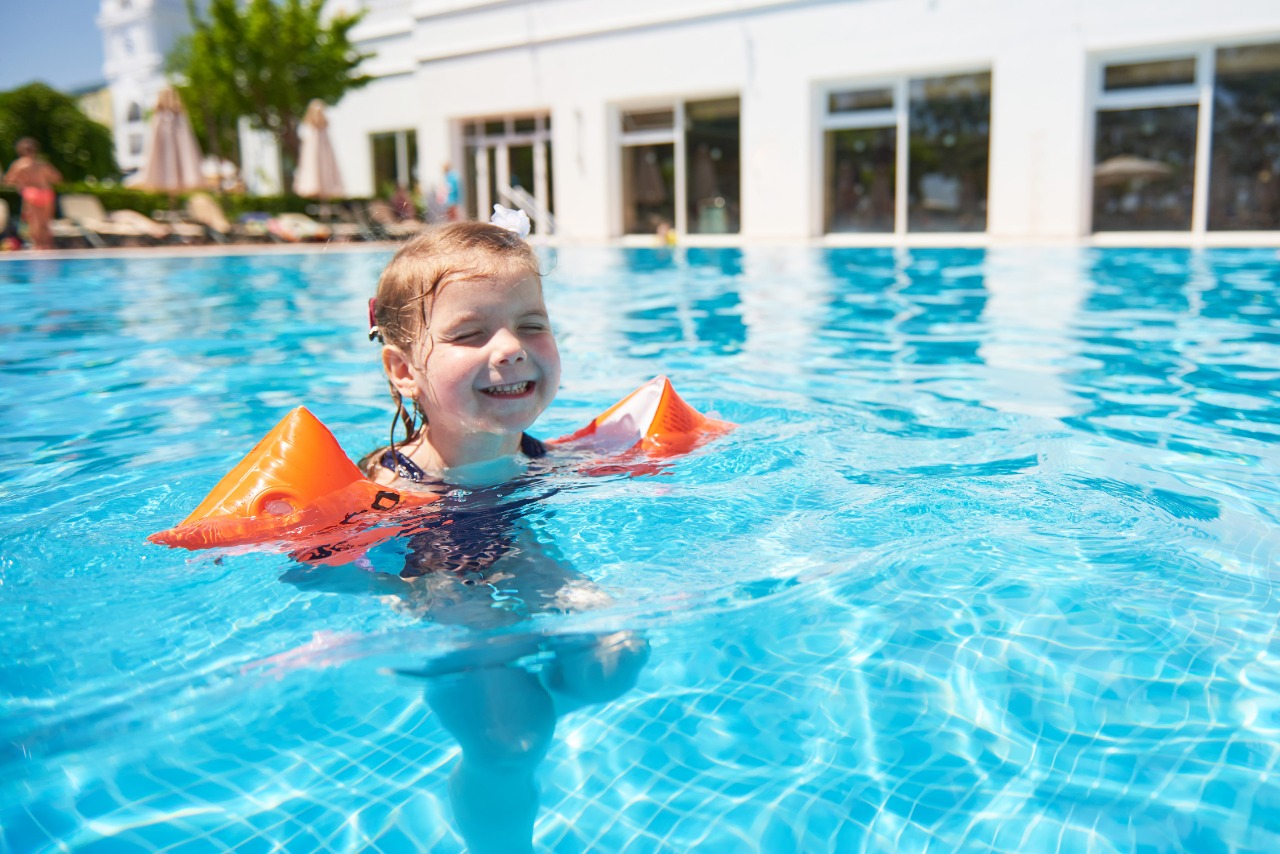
317, 176
1126, 167
172, 162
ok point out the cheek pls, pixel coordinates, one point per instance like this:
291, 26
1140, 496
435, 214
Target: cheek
549, 354
447, 369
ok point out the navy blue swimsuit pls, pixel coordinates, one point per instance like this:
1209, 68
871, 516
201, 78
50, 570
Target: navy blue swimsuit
472, 531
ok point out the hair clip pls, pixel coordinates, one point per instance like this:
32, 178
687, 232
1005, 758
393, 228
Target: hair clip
512, 220
374, 331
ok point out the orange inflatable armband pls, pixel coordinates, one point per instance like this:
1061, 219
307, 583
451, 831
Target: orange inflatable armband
298, 488
653, 419
295, 486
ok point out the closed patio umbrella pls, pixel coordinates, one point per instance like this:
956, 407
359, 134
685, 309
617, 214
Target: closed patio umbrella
317, 176
172, 162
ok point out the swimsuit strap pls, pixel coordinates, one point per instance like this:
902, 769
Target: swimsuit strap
409, 470
402, 466
531, 447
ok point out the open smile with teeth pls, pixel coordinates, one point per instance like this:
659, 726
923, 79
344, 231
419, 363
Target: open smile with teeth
510, 390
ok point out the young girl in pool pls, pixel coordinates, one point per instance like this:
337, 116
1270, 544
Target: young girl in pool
469, 353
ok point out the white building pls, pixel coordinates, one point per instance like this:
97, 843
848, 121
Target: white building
136, 36
848, 120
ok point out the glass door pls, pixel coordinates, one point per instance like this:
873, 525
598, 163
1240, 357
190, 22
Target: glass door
510, 165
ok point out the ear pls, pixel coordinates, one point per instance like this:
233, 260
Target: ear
400, 371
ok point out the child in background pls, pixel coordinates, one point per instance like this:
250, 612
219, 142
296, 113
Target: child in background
471, 359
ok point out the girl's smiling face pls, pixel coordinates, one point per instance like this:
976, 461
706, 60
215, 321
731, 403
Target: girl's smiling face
486, 367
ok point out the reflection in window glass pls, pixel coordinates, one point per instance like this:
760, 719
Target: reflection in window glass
712, 143
949, 124
469, 187
853, 100
520, 166
860, 166
384, 164
550, 200
637, 120
491, 155
1144, 169
1244, 187
648, 188
411, 180
497, 127
527, 125
1140, 75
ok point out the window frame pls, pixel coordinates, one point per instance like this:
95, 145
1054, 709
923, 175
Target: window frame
1198, 93
471, 132
897, 117
675, 136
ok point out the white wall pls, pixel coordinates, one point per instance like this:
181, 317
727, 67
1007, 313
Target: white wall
578, 58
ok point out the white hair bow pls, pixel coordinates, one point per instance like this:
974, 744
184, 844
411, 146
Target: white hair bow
512, 220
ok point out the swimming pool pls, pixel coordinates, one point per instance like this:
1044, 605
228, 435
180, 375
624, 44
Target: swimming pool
989, 563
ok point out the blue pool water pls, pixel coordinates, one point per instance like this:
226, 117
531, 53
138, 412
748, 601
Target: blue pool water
990, 563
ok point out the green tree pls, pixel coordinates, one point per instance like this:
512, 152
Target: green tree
265, 59
206, 87
77, 145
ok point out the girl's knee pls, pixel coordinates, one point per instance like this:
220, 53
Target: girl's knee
600, 670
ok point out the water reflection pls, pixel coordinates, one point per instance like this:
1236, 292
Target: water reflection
1176, 339
918, 307
688, 298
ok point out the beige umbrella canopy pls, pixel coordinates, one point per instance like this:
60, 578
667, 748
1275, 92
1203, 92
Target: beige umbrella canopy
1126, 167
172, 160
317, 176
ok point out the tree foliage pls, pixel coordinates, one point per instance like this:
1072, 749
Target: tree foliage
77, 145
265, 59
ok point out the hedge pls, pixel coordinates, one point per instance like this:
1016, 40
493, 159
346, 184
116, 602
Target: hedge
116, 198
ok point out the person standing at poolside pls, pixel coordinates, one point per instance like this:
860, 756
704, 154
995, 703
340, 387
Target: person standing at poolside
34, 177
449, 194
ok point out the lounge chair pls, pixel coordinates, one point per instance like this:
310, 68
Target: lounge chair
344, 224
297, 228
389, 224
85, 215
205, 211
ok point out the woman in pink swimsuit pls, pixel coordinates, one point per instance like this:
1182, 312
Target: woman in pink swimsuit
35, 178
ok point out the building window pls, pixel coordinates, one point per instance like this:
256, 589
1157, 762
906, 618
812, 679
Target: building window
134, 113
508, 162
135, 145
395, 162
1244, 178
1145, 146
907, 155
681, 167
1189, 142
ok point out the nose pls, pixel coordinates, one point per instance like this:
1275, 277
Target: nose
507, 349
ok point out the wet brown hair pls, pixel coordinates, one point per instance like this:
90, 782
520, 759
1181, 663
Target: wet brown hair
424, 265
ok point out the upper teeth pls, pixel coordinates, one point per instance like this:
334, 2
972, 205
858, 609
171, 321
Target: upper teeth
513, 388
